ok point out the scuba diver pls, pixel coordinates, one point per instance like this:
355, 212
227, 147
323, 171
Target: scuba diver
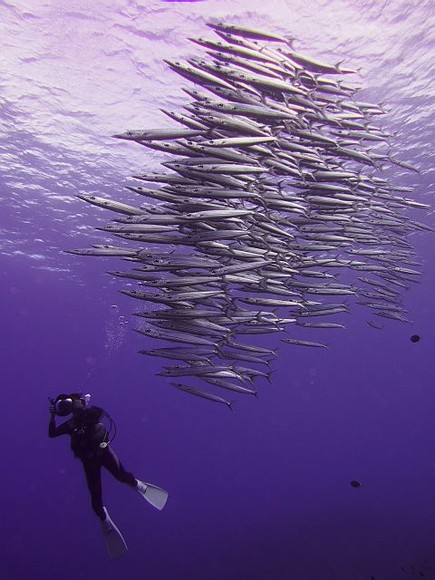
90, 442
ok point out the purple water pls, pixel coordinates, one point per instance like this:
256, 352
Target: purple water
261, 493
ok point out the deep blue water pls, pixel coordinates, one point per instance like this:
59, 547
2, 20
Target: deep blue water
261, 493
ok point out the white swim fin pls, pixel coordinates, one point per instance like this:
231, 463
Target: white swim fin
113, 539
156, 496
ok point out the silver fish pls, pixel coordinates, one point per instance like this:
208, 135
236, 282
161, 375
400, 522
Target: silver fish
158, 134
298, 342
203, 394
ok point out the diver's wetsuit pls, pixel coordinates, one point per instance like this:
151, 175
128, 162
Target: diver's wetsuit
87, 432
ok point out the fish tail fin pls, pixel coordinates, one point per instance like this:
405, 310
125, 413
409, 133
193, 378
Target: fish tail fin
218, 347
268, 363
277, 129
269, 374
263, 284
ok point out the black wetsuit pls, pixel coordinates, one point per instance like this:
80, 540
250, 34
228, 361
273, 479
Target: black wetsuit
87, 432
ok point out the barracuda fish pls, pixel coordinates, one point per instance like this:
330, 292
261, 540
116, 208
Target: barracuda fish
222, 47
110, 204
174, 336
151, 297
327, 237
196, 74
251, 374
165, 178
177, 261
103, 250
225, 384
238, 94
136, 228
238, 141
158, 134
185, 120
330, 291
141, 276
203, 394
325, 311
259, 329
194, 295
220, 152
193, 162
323, 200
272, 302
216, 214
172, 148
268, 67
219, 193
217, 235
180, 353
159, 194
231, 123
296, 341
150, 238
247, 32
185, 281
237, 268
204, 178
269, 189
320, 324
224, 168
270, 84
184, 313
251, 110
224, 374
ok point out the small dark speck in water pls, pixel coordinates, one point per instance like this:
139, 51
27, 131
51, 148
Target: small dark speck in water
355, 483
415, 338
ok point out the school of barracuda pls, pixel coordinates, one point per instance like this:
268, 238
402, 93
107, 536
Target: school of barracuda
274, 193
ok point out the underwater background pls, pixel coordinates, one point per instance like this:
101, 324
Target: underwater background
261, 493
